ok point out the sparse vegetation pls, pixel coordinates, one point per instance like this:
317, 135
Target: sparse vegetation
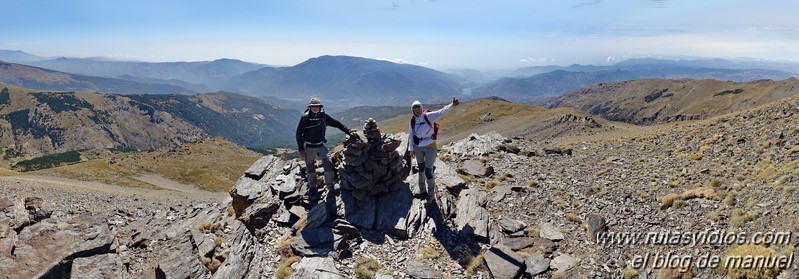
668, 199
366, 267
60, 102
657, 94
573, 218
491, 184
218, 241
741, 271
676, 200
283, 247
48, 161
284, 269
506, 177
473, 263
214, 165
429, 253
739, 217
5, 97
728, 92
630, 273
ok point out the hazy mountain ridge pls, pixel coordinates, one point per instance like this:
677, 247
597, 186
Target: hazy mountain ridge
650, 101
44, 79
555, 83
209, 73
360, 81
712, 63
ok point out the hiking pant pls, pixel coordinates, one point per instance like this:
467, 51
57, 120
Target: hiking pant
310, 165
425, 159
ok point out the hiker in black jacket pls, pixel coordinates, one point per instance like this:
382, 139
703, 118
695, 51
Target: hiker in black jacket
311, 143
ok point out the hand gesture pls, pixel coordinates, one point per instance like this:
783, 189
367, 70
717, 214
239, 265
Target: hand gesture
455, 101
302, 153
353, 133
413, 154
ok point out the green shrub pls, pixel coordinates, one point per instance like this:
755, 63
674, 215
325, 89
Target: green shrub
48, 161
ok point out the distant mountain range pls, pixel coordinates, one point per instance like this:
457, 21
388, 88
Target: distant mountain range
349, 80
344, 81
551, 81
49, 80
210, 74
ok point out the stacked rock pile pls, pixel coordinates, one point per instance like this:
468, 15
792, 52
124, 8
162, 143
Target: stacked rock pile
368, 168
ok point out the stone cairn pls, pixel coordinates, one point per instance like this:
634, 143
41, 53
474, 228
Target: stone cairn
369, 168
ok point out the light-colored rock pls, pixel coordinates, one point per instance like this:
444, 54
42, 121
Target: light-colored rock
316, 267
550, 232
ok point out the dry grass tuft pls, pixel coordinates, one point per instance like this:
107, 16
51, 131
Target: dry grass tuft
473, 264
668, 199
491, 184
284, 247
630, 273
428, 253
674, 273
284, 269
573, 218
739, 253
366, 268
739, 217
699, 192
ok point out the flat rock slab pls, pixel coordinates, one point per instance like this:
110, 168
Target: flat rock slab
503, 263
536, 264
422, 270
316, 267
550, 232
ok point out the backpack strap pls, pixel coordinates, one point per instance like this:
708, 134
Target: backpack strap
427, 120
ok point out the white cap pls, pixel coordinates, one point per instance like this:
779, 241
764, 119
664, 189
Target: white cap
416, 103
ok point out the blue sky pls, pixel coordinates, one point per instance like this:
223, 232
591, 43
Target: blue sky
440, 34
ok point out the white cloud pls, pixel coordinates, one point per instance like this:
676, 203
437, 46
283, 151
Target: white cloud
611, 59
403, 61
534, 60
773, 29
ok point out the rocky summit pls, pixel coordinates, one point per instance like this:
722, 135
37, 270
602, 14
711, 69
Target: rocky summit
664, 203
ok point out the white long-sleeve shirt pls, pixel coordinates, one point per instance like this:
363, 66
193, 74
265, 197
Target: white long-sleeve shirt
424, 131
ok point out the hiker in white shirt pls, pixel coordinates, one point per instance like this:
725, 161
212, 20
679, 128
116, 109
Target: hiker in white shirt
422, 138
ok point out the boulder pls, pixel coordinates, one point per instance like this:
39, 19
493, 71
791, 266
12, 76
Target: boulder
596, 224
179, 260
503, 263
244, 257
550, 232
476, 168
316, 267
473, 217
421, 270
511, 226
477, 145
536, 264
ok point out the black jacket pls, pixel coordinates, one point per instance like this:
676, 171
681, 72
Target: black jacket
312, 126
